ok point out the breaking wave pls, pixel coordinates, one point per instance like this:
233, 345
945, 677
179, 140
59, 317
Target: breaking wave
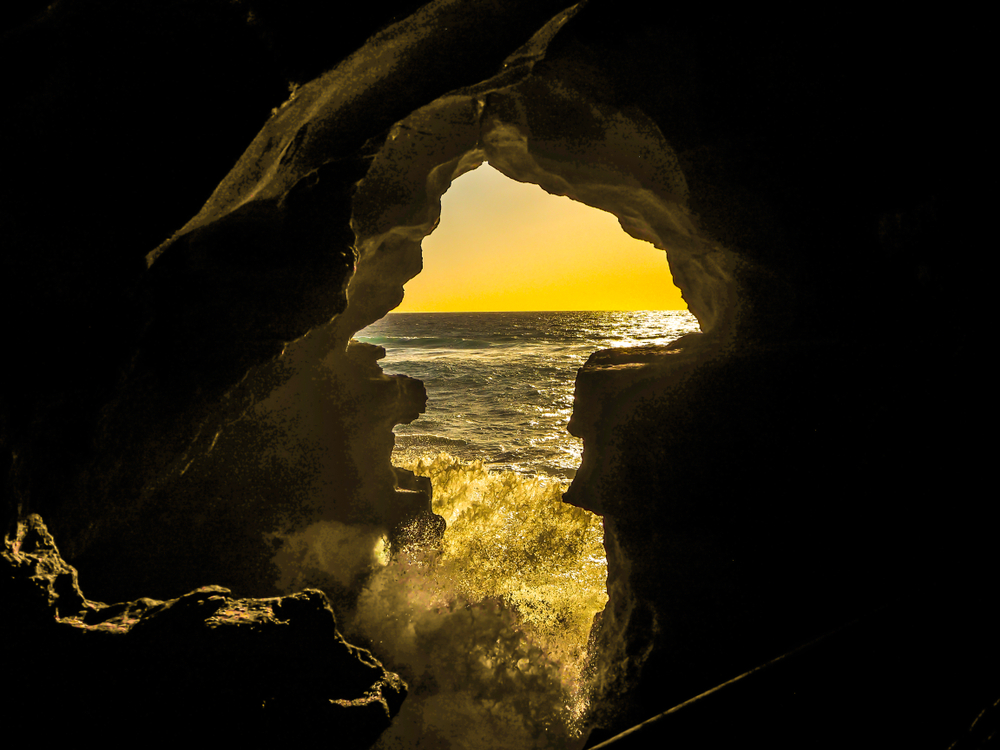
491, 627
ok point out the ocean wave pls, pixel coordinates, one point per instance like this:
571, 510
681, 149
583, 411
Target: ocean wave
427, 342
490, 630
408, 440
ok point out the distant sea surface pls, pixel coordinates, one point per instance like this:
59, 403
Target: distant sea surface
500, 385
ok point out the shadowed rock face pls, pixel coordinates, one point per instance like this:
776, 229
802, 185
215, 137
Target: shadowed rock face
190, 327
207, 662
196, 411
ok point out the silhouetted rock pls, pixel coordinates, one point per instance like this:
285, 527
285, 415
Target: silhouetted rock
205, 663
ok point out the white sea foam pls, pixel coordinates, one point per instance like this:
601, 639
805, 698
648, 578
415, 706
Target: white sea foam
491, 630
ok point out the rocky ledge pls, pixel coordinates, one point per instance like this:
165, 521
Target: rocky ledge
206, 664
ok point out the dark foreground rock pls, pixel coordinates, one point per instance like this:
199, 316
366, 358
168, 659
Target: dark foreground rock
192, 410
903, 676
205, 665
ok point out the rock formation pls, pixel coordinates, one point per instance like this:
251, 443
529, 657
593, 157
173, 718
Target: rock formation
204, 665
187, 410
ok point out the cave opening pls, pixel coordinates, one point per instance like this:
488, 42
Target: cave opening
497, 649
466, 653
521, 576
511, 266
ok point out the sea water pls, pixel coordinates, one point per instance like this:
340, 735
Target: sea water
500, 385
490, 629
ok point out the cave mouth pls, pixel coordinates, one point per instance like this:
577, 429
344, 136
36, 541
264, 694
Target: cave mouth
481, 637
521, 577
518, 288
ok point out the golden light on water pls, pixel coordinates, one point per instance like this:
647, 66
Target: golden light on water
511, 537
491, 631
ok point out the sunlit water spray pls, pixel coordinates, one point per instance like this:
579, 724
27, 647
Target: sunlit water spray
491, 630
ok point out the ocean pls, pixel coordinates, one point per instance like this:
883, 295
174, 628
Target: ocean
491, 630
500, 384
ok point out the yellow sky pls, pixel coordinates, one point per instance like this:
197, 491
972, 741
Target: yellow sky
503, 245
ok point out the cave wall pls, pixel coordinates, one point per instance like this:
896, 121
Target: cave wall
758, 483
170, 338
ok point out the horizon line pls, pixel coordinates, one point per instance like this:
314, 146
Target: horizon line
468, 312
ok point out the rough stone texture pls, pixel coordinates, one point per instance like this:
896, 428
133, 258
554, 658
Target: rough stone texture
761, 483
205, 665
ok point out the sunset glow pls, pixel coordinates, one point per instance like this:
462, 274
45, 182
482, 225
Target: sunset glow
503, 245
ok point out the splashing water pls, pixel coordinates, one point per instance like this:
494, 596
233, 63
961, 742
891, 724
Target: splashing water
490, 630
